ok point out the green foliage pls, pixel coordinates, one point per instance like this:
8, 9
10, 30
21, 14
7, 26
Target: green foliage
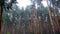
55, 2
4, 4
20, 16
8, 32
15, 23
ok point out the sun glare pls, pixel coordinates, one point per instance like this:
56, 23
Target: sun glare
44, 3
24, 3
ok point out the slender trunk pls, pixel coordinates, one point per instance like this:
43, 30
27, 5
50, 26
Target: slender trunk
33, 21
13, 30
55, 16
51, 22
39, 20
0, 17
29, 26
37, 23
1, 10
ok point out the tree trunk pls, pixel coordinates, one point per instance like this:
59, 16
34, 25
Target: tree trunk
1, 11
0, 18
51, 22
56, 17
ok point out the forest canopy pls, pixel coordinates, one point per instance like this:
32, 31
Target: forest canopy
39, 17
